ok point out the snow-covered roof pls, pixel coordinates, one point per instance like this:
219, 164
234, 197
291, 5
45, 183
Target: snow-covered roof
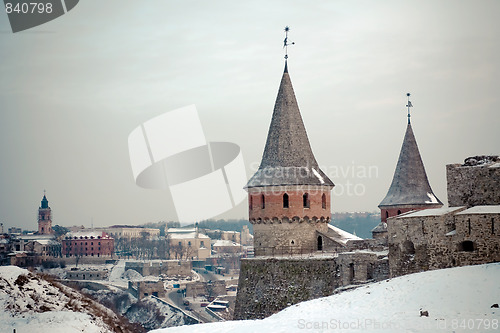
224, 242
340, 235
491, 209
431, 212
180, 230
87, 234
187, 235
35, 237
47, 241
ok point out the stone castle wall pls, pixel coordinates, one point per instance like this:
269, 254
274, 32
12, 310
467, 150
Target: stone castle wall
267, 286
286, 237
434, 242
473, 185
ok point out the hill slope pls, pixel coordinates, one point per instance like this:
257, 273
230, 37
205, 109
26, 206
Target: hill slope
31, 303
456, 299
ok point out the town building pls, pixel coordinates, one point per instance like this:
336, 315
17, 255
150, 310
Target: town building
87, 244
130, 232
188, 243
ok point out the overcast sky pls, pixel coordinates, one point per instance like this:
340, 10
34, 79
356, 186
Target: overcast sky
72, 90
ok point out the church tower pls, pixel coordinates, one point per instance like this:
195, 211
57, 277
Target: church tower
289, 195
410, 188
44, 218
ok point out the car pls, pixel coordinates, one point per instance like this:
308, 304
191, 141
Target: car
203, 305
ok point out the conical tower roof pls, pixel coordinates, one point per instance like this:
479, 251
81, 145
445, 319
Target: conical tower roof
288, 158
410, 186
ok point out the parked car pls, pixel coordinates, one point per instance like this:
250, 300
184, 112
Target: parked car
203, 305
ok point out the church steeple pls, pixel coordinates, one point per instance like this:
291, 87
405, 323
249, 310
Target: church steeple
45, 202
44, 217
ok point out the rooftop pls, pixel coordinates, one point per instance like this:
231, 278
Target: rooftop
288, 158
431, 212
410, 185
491, 209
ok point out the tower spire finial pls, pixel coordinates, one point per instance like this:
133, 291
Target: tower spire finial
409, 105
285, 46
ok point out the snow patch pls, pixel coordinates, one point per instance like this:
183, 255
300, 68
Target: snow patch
316, 173
432, 197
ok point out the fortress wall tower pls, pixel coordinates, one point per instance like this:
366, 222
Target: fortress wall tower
410, 188
289, 195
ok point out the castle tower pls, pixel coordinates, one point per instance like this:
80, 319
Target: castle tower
44, 218
289, 195
410, 189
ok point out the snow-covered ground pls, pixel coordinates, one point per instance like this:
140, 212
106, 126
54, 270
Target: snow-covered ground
31, 304
456, 299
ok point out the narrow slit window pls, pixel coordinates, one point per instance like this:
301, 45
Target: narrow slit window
305, 200
323, 201
263, 201
286, 203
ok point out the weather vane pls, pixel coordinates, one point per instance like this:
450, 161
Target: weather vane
409, 105
286, 43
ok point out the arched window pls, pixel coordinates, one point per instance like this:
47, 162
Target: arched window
263, 201
285, 201
323, 201
399, 212
320, 243
305, 200
386, 214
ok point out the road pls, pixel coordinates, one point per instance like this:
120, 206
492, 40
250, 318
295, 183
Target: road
197, 312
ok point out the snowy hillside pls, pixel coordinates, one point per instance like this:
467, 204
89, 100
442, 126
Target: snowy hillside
30, 303
456, 299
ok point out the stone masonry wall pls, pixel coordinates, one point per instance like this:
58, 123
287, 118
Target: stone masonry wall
167, 267
292, 237
473, 185
433, 242
267, 286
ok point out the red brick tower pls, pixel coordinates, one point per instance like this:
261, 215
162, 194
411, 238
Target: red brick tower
410, 188
45, 218
289, 195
